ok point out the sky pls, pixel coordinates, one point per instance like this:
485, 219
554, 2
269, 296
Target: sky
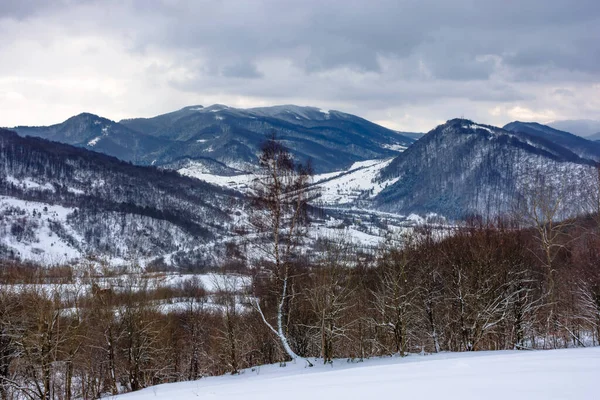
406, 64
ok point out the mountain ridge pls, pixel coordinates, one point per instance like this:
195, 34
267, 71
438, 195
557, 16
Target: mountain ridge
484, 170
332, 140
581, 146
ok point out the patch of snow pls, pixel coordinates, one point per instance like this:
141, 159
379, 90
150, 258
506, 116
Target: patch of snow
29, 184
395, 147
75, 190
44, 246
94, 141
475, 127
211, 282
236, 182
359, 181
417, 219
492, 375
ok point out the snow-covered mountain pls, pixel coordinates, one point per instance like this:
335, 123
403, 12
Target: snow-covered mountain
102, 135
60, 202
64, 202
584, 148
220, 137
458, 169
462, 168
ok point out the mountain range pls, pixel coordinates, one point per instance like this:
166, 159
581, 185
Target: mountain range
128, 189
588, 128
462, 168
225, 139
584, 148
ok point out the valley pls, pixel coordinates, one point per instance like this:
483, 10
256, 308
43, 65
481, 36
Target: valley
239, 255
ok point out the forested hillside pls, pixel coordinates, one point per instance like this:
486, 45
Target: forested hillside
461, 168
112, 208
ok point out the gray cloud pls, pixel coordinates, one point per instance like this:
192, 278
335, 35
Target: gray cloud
365, 56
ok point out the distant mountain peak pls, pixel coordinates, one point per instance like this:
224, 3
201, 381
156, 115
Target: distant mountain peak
464, 168
87, 115
332, 140
581, 146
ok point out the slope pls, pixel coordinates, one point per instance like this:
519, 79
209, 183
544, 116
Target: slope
581, 127
109, 207
102, 135
582, 147
556, 374
331, 139
461, 168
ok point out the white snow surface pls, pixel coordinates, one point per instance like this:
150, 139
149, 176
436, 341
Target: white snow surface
29, 184
395, 147
94, 141
532, 375
359, 180
475, 127
45, 246
336, 188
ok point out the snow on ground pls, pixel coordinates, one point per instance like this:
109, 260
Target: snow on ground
475, 127
359, 180
395, 147
94, 141
236, 182
29, 184
550, 374
211, 282
43, 245
340, 187
350, 234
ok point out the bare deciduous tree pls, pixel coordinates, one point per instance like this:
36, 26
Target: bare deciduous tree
279, 219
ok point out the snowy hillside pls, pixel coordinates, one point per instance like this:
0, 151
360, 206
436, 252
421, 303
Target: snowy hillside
357, 182
462, 168
553, 374
38, 231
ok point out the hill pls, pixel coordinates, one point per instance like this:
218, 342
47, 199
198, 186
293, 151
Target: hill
492, 375
63, 202
461, 168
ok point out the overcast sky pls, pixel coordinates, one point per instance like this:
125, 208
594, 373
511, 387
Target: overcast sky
406, 64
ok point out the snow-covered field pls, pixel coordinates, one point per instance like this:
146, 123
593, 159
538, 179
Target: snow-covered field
359, 180
552, 374
42, 245
341, 187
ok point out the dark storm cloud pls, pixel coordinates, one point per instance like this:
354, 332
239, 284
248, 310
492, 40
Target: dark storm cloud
355, 33
370, 53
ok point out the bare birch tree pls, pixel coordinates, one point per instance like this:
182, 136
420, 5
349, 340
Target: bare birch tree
279, 219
